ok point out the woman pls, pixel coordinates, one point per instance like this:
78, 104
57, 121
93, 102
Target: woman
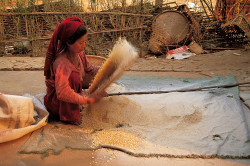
67, 70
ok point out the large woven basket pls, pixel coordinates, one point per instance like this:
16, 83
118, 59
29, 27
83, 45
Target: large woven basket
169, 27
241, 21
96, 60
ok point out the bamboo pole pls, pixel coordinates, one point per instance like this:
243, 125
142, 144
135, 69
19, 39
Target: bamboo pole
141, 10
210, 8
205, 10
123, 17
178, 90
91, 33
72, 13
158, 3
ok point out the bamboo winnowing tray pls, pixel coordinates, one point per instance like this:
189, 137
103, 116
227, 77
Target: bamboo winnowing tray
121, 57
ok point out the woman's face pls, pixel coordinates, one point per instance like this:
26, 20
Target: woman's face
79, 44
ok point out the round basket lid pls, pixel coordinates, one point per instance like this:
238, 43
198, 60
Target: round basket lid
170, 27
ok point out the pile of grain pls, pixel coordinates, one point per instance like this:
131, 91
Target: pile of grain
116, 138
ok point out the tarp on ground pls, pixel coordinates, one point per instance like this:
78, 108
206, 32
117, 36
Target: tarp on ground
208, 122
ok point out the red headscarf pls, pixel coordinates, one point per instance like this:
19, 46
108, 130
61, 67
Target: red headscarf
63, 32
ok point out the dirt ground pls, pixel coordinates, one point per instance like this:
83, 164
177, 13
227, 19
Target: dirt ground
20, 75
220, 63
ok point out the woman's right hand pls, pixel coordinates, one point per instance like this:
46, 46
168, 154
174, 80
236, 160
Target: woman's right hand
90, 99
95, 97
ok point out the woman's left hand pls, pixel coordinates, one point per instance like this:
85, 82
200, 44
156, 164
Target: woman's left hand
103, 94
85, 93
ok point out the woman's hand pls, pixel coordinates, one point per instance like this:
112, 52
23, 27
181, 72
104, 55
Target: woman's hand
94, 97
103, 94
85, 93
98, 95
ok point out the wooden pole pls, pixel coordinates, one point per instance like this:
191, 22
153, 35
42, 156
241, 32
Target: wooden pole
158, 3
124, 6
178, 90
75, 13
142, 8
205, 10
90, 33
141, 31
124, 11
210, 8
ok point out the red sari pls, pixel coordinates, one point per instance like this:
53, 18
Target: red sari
64, 81
63, 98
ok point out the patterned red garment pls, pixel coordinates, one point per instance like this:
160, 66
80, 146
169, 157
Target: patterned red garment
63, 80
63, 96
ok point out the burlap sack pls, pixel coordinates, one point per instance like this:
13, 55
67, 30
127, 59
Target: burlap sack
17, 117
15, 112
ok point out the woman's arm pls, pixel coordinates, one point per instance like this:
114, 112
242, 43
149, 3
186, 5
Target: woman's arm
64, 91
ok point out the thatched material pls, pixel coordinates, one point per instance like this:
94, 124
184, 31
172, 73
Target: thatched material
121, 57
